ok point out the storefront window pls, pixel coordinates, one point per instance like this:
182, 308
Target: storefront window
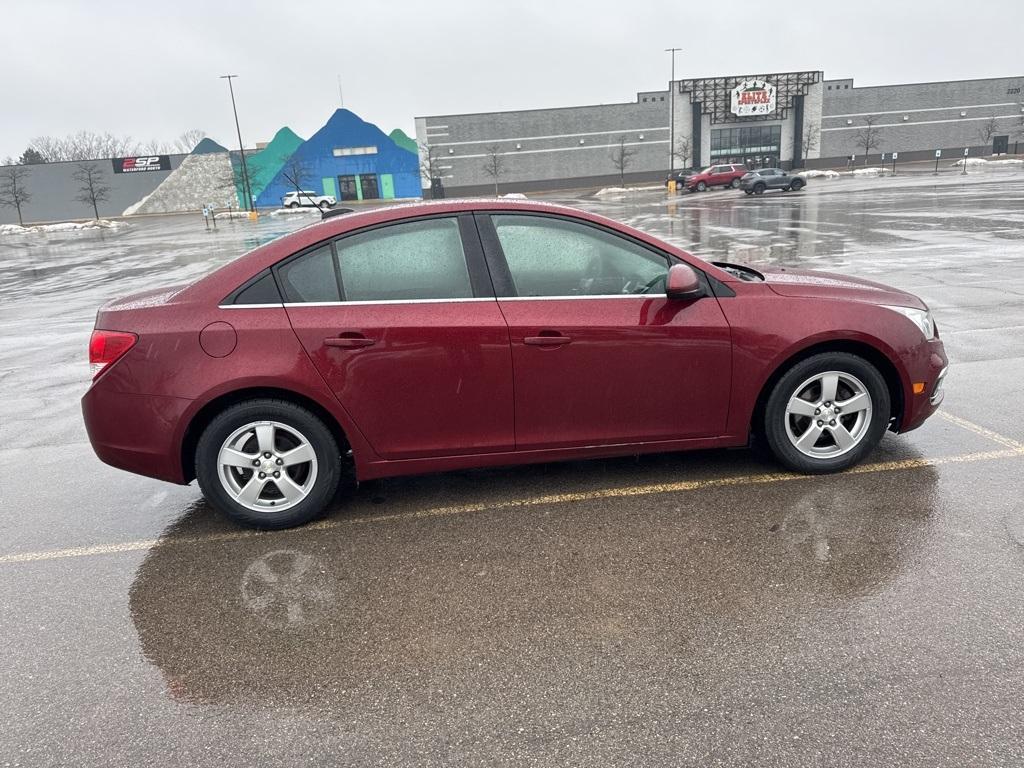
754, 145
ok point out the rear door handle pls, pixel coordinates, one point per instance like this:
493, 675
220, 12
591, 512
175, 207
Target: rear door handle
348, 340
547, 340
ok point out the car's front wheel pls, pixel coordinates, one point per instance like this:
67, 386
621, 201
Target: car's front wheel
268, 464
759, 189
797, 185
701, 186
735, 183
293, 204
826, 413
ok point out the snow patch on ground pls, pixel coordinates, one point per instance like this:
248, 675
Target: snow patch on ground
816, 174
294, 211
63, 226
514, 196
981, 162
619, 191
231, 215
869, 172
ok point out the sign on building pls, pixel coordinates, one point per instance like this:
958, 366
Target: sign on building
753, 97
138, 164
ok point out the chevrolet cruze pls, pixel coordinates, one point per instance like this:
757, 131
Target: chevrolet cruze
440, 336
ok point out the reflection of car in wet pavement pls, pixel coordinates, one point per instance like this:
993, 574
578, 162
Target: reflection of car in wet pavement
756, 182
466, 349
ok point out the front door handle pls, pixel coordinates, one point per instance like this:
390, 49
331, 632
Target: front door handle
348, 340
547, 339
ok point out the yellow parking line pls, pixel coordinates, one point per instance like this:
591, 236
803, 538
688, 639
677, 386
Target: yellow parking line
682, 486
977, 429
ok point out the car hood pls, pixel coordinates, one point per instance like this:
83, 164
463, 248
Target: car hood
826, 285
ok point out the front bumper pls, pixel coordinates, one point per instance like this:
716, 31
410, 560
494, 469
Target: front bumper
928, 366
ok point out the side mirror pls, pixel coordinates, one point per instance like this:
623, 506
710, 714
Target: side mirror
683, 283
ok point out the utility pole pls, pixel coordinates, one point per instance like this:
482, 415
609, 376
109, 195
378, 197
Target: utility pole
246, 189
672, 112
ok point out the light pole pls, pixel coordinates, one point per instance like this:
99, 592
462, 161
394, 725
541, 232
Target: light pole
672, 112
246, 189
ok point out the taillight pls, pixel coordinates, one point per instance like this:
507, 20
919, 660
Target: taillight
107, 347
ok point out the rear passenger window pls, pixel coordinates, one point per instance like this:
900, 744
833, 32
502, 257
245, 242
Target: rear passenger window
413, 260
310, 277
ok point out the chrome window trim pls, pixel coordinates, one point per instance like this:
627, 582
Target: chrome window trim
250, 306
443, 301
594, 296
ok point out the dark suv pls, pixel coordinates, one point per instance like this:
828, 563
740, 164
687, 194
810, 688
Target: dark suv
717, 176
756, 182
680, 176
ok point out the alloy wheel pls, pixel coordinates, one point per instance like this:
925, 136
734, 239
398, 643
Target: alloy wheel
267, 465
828, 415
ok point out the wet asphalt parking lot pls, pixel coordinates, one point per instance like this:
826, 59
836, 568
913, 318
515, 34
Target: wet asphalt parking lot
686, 609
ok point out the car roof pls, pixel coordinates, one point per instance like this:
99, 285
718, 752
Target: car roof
233, 274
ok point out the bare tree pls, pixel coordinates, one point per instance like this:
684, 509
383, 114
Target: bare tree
156, 147
682, 151
809, 142
430, 162
987, 130
85, 145
187, 141
92, 190
869, 137
13, 192
622, 157
494, 165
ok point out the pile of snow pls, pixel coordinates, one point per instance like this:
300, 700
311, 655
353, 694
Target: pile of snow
63, 226
869, 171
288, 211
980, 162
815, 174
515, 196
231, 215
617, 191
200, 180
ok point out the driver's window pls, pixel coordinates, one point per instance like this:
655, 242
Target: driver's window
555, 257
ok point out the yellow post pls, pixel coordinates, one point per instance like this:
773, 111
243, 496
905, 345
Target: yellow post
253, 215
672, 186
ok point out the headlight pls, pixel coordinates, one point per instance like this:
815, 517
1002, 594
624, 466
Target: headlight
922, 318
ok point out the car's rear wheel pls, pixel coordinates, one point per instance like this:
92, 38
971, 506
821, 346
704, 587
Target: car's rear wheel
268, 464
701, 186
797, 185
735, 183
826, 413
759, 189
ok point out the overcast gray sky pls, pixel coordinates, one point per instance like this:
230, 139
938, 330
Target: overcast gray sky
150, 69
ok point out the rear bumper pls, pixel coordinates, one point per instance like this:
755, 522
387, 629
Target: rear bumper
136, 433
930, 369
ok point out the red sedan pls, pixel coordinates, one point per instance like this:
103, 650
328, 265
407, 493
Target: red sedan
423, 338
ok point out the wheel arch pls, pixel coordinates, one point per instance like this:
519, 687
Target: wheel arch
201, 419
874, 355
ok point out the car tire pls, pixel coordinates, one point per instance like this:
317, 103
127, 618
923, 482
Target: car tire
805, 443
759, 189
796, 186
735, 183
748, 191
231, 442
293, 204
701, 186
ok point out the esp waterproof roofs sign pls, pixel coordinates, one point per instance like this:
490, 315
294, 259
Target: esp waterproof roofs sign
140, 164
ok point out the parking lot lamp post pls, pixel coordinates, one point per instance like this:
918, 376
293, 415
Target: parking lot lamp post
672, 112
246, 189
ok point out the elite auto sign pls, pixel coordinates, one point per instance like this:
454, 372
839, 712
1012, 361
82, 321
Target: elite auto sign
753, 97
139, 164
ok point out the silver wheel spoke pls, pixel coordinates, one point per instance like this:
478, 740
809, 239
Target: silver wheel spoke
229, 457
299, 455
251, 492
829, 387
265, 437
842, 436
288, 488
800, 407
855, 403
809, 437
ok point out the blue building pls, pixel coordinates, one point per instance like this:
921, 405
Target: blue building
350, 159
